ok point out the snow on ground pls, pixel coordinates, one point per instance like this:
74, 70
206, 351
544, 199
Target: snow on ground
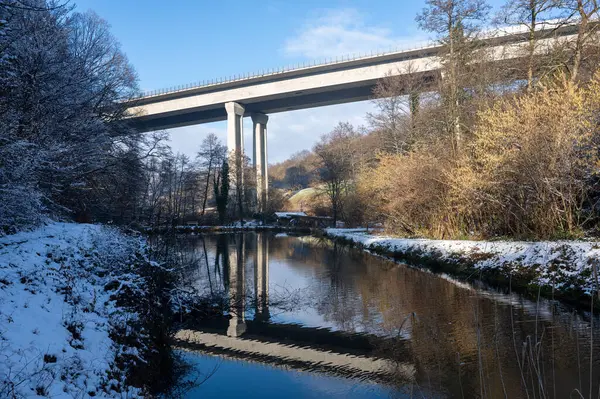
56, 316
561, 262
289, 215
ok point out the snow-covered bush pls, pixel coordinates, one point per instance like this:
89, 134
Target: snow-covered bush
62, 137
20, 208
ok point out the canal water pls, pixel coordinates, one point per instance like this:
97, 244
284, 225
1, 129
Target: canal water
302, 317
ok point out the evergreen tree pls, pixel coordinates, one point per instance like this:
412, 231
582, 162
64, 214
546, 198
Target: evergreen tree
222, 194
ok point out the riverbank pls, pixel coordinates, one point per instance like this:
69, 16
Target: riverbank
69, 324
565, 270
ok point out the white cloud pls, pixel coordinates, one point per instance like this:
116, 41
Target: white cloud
336, 32
342, 32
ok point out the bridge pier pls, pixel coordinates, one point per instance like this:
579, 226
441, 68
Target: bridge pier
235, 127
260, 159
235, 142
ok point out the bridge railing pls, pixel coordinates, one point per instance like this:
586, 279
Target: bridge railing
284, 69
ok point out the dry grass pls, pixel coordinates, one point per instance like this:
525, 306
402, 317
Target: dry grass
527, 171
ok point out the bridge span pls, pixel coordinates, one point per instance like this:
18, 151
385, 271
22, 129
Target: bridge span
336, 82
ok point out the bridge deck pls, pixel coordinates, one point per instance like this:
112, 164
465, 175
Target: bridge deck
313, 86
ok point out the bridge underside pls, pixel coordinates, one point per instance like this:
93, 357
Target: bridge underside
296, 101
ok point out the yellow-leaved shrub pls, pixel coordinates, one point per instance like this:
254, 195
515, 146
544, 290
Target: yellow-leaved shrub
407, 192
528, 169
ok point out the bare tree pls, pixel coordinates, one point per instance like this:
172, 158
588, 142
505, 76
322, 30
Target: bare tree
338, 164
531, 14
154, 191
210, 156
241, 174
397, 99
63, 139
584, 12
456, 23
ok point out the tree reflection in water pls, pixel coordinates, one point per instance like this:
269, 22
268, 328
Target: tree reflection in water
458, 340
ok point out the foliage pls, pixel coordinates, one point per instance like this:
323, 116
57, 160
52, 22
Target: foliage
295, 173
485, 155
406, 192
338, 155
530, 171
222, 192
529, 166
64, 147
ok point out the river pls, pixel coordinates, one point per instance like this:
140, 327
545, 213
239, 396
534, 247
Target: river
301, 317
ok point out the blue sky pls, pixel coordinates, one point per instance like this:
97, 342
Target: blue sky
182, 41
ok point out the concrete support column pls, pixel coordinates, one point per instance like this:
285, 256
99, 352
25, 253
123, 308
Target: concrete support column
235, 142
235, 127
260, 159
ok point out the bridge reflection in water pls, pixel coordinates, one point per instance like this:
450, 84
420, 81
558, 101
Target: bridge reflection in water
259, 339
301, 303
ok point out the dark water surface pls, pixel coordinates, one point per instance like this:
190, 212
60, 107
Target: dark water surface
299, 317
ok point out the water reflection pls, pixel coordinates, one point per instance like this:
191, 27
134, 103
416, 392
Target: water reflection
237, 290
261, 277
234, 265
304, 304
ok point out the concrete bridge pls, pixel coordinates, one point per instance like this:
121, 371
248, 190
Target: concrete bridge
336, 82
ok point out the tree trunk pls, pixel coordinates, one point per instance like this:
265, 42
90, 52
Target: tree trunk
454, 101
207, 186
532, 28
582, 30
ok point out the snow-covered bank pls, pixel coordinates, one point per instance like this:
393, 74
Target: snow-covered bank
566, 266
59, 287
